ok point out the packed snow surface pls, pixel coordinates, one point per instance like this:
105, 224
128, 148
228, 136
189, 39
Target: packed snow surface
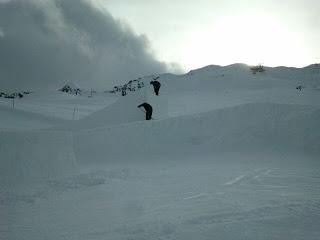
228, 155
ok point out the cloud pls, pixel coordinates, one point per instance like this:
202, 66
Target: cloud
44, 43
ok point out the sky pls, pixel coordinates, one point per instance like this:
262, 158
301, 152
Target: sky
198, 33
99, 43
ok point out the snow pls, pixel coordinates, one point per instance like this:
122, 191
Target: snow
228, 155
257, 126
30, 155
60, 105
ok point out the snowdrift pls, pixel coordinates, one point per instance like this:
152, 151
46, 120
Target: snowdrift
30, 155
248, 127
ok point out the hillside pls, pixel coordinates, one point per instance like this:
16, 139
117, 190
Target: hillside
228, 155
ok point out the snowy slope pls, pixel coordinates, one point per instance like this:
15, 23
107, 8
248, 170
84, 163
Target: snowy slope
16, 119
229, 155
124, 110
121, 111
213, 108
59, 105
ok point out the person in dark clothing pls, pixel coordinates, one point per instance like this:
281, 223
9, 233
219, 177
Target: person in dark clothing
148, 109
156, 86
123, 91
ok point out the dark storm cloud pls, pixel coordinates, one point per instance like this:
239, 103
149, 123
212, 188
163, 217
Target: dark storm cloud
44, 43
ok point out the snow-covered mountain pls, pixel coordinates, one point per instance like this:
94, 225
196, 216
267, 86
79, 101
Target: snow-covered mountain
228, 155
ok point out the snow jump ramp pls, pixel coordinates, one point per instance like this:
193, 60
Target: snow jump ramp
124, 110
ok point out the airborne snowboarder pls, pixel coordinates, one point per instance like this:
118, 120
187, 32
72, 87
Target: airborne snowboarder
148, 110
156, 86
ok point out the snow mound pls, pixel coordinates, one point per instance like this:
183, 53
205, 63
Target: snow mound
248, 127
122, 111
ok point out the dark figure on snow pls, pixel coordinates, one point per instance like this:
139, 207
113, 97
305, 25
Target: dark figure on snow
299, 88
148, 110
156, 86
123, 91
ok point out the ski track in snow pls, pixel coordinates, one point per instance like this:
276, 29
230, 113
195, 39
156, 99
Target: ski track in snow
196, 196
254, 175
